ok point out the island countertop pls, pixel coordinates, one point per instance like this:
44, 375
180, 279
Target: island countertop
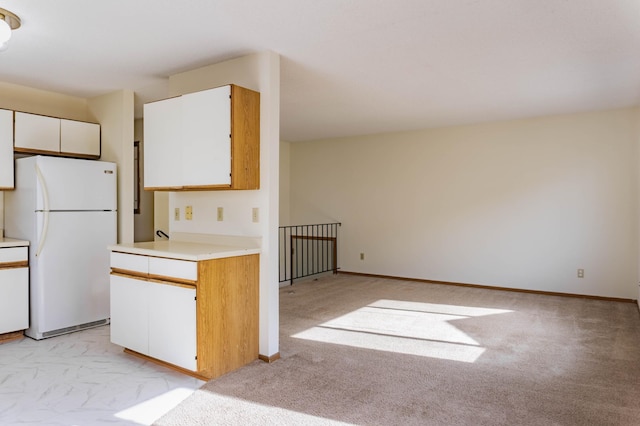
11, 242
184, 250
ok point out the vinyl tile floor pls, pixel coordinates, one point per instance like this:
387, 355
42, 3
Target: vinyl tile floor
83, 379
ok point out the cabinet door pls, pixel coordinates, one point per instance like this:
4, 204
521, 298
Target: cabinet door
130, 313
206, 121
36, 133
77, 137
14, 299
6, 149
163, 144
172, 324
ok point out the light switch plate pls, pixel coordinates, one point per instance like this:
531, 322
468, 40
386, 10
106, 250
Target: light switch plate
220, 214
255, 215
176, 215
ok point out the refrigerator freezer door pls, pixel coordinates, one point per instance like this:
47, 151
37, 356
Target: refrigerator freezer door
70, 276
73, 184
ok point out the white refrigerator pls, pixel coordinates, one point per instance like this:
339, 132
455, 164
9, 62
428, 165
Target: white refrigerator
66, 209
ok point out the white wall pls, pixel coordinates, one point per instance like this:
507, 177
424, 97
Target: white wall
285, 185
35, 101
520, 204
143, 222
260, 72
114, 112
637, 120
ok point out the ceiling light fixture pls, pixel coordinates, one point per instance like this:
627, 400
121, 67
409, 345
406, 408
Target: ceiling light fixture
8, 22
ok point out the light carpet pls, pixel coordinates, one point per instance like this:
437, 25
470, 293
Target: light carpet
372, 351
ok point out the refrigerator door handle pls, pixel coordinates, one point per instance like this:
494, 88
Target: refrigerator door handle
45, 197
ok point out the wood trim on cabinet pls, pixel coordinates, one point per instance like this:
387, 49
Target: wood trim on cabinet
162, 279
76, 155
13, 265
166, 364
14, 335
55, 153
205, 187
174, 282
163, 188
128, 274
172, 279
227, 314
245, 140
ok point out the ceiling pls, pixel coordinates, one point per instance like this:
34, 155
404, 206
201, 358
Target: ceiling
348, 67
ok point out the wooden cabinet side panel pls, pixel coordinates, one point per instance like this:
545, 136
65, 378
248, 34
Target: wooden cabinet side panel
245, 142
227, 312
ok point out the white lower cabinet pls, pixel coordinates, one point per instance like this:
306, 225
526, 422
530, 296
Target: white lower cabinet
154, 318
14, 299
14, 289
172, 324
130, 313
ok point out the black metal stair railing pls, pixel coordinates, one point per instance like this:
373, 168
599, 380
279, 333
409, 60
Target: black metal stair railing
306, 250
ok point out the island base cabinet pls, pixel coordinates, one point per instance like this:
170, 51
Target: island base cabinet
154, 318
201, 316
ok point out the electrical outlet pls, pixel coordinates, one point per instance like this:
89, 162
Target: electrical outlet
361, 256
176, 215
220, 214
188, 212
255, 215
580, 273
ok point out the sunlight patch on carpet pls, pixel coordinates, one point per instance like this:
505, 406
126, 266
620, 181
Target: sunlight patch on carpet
412, 328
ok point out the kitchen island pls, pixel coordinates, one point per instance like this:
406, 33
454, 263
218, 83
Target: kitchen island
191, 306
14, 288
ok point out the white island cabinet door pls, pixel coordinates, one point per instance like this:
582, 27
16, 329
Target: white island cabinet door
206, 126
172, 324
130, 313
6, 149
37, 133
163, 144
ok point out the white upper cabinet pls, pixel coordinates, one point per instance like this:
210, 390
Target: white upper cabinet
162, 139
78, 137
206, 123
203, 140
39, 134
6, 149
